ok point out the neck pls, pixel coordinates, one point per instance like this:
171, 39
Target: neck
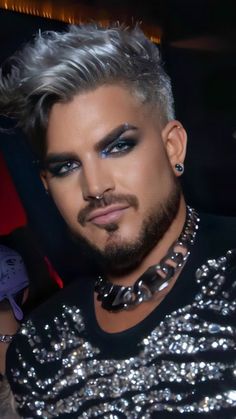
158, 252
8, 326
8, 323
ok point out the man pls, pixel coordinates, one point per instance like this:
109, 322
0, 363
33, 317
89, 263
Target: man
147, 337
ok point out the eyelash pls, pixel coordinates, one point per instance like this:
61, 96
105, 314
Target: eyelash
58, 169
126, 143
65, 168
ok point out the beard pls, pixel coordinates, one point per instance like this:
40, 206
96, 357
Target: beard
121, 257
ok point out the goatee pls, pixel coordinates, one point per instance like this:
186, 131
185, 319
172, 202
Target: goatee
119, 257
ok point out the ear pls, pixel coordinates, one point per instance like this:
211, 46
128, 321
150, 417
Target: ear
174, 138
43, 178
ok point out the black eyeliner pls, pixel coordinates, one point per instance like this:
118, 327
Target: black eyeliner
129, 142
113, 136
55, 168
53, 158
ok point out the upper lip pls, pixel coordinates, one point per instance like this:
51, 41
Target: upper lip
104, 211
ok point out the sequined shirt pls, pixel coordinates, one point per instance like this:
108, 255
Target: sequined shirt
179, 362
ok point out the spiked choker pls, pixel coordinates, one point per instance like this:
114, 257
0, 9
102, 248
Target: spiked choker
156, 278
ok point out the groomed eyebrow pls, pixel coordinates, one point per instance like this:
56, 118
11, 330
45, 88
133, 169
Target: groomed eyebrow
59, 158
99, 146
113, 135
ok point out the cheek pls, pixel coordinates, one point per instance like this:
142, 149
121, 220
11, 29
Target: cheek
148, 173
65, 202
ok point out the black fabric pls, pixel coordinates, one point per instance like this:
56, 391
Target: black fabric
216, 235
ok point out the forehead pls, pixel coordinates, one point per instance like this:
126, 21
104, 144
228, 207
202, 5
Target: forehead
94, 114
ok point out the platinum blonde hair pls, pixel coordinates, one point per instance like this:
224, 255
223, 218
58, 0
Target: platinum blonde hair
57, 66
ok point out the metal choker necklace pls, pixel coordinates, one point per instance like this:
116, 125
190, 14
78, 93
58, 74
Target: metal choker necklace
156, 278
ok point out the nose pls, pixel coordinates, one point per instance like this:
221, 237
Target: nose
96, 180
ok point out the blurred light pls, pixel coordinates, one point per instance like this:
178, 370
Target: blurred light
70, 14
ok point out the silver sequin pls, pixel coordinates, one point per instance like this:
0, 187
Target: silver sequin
175, 353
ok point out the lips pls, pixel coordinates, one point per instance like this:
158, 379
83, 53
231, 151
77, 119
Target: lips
106, 215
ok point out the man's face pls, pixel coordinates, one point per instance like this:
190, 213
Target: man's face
106, 143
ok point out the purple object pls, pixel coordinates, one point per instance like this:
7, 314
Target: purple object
13, 278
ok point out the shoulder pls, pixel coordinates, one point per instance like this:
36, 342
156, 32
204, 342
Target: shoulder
71, 295
219, 232
219, 223
42, 336
52, 333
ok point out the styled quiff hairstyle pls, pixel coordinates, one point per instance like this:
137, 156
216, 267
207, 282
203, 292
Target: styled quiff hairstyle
58, 65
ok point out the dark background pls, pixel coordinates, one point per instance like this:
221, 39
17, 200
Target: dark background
198, 48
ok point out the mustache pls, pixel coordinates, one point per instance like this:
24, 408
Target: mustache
106, 200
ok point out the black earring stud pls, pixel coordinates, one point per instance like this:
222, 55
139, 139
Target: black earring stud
179, 167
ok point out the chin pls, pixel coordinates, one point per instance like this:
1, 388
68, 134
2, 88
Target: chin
121, 253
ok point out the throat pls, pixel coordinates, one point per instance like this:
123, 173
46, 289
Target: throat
155, 279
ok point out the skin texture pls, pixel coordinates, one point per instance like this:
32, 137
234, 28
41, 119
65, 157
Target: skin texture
8, 326
134, 172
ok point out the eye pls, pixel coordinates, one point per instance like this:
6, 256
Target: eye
64, 168
118, 147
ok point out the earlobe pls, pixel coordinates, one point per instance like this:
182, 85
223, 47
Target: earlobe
175, 141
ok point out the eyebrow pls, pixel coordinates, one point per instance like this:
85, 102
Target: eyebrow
103, 143
113, 135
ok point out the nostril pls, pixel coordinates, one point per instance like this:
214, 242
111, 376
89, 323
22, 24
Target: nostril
98, 195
